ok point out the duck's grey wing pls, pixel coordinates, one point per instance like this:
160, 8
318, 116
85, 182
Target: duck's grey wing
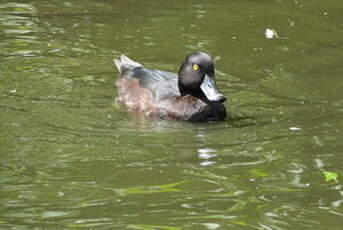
161, 84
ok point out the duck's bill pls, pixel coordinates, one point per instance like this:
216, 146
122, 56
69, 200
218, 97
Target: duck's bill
208, 87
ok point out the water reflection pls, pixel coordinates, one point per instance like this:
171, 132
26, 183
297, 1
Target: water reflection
19, 30
206, 155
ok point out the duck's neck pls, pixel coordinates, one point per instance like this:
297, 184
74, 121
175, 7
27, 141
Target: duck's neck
192, 91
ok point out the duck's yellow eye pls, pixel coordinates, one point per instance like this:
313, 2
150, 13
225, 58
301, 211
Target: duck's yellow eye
195, 67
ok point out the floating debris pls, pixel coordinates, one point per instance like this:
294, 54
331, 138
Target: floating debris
294, 128
271, 33
330, 176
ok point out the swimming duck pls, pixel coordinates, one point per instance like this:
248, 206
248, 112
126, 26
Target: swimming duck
192, 95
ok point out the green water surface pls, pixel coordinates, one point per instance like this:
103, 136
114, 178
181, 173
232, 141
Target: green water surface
72, 158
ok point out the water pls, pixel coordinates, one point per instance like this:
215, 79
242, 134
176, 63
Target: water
72, 158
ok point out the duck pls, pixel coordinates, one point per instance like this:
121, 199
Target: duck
191, 95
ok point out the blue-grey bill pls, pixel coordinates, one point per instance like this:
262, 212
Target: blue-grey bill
210, 90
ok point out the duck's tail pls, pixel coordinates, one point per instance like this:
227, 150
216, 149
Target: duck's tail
125, 63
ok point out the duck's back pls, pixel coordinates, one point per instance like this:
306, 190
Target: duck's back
161, 84
142, 89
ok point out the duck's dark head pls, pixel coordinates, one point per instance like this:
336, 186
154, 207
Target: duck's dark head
197, 78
